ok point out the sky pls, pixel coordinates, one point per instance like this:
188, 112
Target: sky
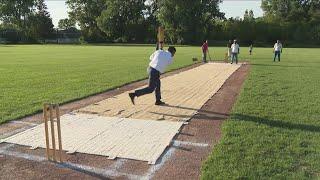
231, 8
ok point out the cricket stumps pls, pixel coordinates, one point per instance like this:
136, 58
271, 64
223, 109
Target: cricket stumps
51, 114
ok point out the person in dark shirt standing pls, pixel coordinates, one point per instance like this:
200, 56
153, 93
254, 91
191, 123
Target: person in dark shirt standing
250, 47
205, 48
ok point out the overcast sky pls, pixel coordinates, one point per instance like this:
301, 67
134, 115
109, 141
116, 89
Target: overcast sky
232, 8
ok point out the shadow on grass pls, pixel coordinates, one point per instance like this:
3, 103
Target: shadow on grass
211, 115
128, 45
305, 62
4, 46
278, 65
276, 123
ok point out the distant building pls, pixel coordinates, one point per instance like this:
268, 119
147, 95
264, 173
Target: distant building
67, 36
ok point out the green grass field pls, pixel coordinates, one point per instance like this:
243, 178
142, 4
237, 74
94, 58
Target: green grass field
274, 130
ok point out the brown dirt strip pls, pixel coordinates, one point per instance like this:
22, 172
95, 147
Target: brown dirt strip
181, 161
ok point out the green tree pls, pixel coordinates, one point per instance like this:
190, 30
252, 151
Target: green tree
251, 15
16, 11
290, 10
40, 23
246, 15
186, 20
122, 19
315, 12
66, 24
315, 33
85, 13
152, 9
297, 19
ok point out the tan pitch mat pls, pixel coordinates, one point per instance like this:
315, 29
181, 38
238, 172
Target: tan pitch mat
143, 140
185, 93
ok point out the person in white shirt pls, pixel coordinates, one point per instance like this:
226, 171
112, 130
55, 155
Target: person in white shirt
160, 59
235, 50
277, 49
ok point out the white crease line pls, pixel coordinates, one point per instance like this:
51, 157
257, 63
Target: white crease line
158, 166
102, 172
6, 135
4, 148
167, 156
118, 164
23, 155
22, 122
29, 126
179, 143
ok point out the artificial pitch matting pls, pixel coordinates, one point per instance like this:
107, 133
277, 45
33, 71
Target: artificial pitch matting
185, 93
143, 140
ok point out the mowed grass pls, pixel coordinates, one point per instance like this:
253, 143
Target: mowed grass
33, 74
274, 129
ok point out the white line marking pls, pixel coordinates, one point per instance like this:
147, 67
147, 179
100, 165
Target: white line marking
11, 133
168, 155
118, 164
83, 168
103, 172
23, 155
158, 166
179, 143
3, 148
22, 122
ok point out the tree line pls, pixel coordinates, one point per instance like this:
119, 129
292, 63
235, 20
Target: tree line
291, 21
25, 20
185, 21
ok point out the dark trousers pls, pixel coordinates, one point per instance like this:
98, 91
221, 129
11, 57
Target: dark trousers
277, 53
234, 57
154, 85
204, 57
